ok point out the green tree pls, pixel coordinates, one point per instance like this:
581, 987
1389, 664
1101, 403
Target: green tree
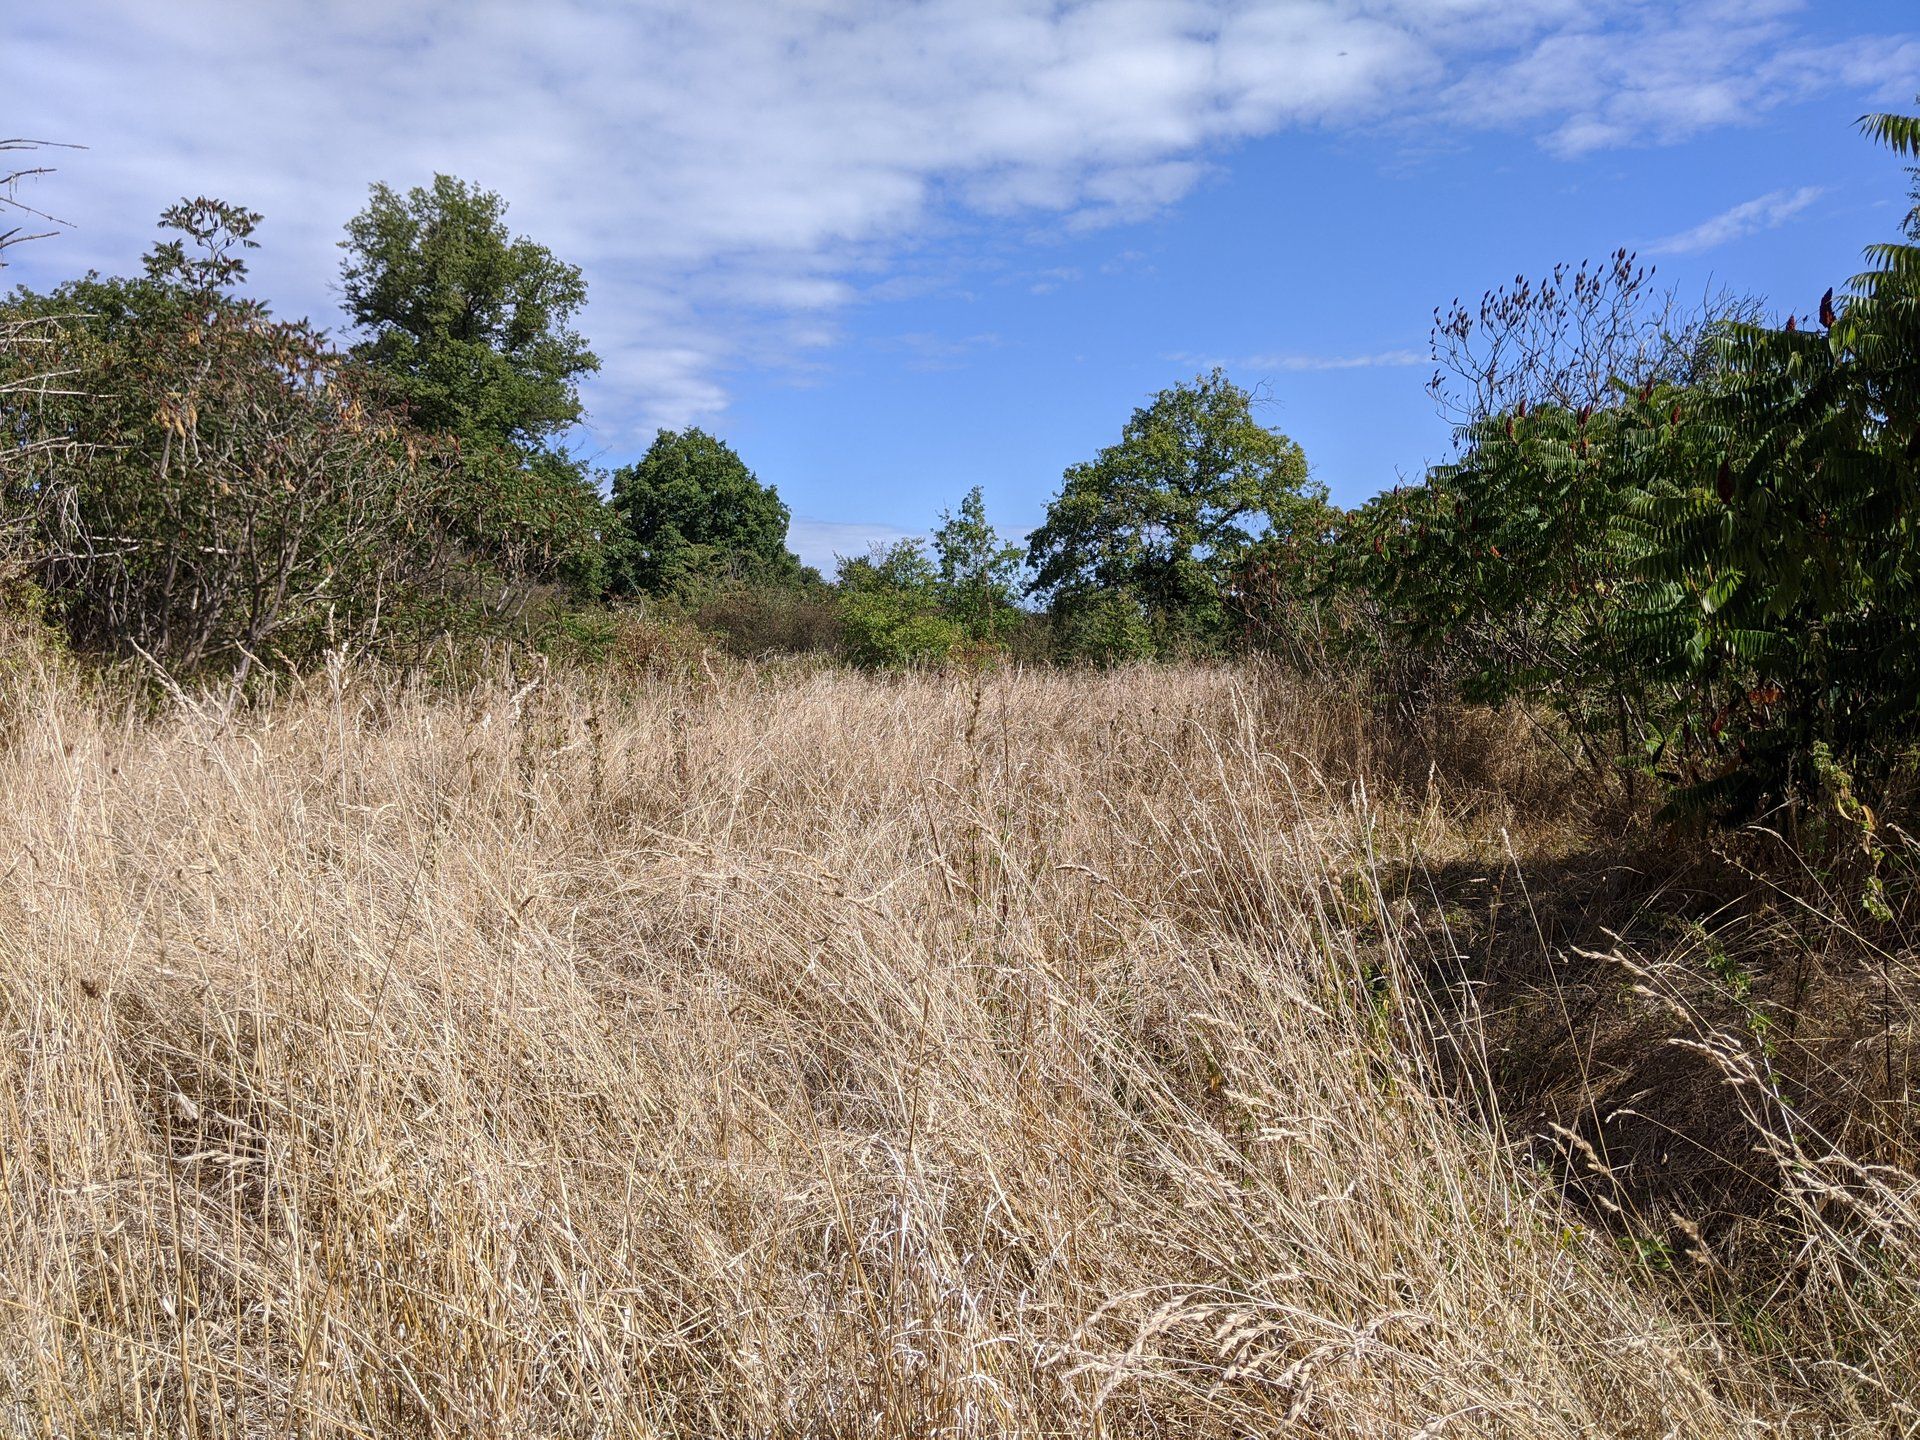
691, 515
890, 610
471, 329
1164, 516
1105, 627
472, 324
1503, 570
979, 572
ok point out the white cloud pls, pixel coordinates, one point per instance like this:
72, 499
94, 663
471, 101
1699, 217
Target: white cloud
926, 352
730, 173
1767, 212
1302, 364
1612, 74
821, 543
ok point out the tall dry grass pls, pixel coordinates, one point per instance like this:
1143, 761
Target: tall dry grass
766, 1054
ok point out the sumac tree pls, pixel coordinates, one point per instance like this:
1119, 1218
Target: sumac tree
1710, 570
1773, 535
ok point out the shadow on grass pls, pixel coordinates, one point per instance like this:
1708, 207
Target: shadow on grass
1591, 1064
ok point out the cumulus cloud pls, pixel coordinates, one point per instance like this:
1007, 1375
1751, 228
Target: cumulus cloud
731, 173
1766, 212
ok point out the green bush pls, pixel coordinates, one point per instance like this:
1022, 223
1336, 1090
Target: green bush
1108, 627
1712, 575
693, 520
890, 611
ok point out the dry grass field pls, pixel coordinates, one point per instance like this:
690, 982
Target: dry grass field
790, 1053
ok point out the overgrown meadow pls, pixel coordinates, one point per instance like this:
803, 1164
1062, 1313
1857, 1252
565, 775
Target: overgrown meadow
489, 948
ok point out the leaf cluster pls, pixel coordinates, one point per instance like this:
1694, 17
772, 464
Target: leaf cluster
692, 517
1164, 517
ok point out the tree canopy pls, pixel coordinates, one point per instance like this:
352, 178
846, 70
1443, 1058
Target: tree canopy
1162, 517
1711, 574
891, 610
691, 514
470, 330
472, 325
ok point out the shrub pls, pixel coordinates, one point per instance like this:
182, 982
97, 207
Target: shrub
694, 519
1709, 571
751, 620
890, 608
1108, 627
1774, 536
215, 487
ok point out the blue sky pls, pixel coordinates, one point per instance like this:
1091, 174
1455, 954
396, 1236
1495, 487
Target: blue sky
894, 250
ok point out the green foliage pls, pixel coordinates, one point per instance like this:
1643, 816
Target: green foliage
471, 324
979, 573
1497, 576
536, 515
1164, 516
212, 486
1714, 576
692, 517
1771, 531
1106, 627
1505, 567
890, 607
1774, 545
1283, 595
470, 329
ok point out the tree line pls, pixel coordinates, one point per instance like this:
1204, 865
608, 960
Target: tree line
1684, 534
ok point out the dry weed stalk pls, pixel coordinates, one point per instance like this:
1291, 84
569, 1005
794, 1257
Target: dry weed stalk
778, 1054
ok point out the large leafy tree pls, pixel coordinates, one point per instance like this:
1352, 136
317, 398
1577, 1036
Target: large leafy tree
1157, 523
473, 325
472, 330
691, 515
